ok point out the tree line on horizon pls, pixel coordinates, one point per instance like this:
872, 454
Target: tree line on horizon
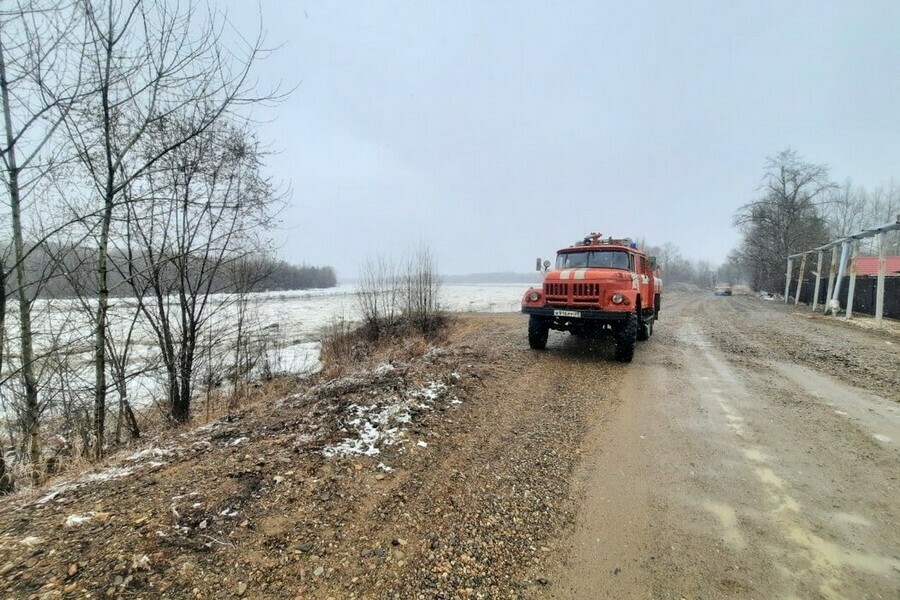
62, 267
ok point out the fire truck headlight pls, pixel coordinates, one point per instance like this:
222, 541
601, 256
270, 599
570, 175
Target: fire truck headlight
534, 296
617, 298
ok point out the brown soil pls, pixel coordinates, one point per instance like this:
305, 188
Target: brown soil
726, 461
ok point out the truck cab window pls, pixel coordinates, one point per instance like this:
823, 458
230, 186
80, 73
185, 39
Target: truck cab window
604, 259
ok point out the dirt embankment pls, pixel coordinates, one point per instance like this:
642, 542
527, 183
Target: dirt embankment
445, 475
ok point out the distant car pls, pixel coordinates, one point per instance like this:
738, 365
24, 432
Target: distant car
723, 290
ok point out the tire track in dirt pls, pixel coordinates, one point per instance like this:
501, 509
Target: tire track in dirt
719, 478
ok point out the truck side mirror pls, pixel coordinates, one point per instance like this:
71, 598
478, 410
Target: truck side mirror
546, 265
538, 265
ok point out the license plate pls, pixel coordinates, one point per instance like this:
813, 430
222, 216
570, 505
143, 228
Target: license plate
566, 313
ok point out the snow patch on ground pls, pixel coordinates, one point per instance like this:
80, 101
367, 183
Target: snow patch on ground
150, 453
76, 520
432, 391
384, 370
109, 473
31, 541
382, 424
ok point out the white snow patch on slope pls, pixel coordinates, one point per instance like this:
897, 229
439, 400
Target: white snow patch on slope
384, 370
382, 424
108, 474
149, 453
75, 521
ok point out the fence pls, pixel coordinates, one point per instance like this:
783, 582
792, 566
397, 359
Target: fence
863, 298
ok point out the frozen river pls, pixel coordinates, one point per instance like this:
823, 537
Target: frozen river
286, 329
301, 315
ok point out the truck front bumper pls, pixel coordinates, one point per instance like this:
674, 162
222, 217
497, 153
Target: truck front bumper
568, 314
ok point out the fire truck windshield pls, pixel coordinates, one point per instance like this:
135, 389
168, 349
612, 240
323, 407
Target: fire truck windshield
608, 259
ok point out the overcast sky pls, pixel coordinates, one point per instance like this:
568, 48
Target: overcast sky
496, 132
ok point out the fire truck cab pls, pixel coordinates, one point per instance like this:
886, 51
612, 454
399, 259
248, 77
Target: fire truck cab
596, 287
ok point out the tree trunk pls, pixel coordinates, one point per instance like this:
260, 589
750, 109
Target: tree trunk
126, 415
109, 198
100, 335
132, 422
29, 380
2, 310
6, 482
182, 411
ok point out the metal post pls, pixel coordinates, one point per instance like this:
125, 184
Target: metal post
835, 303
852, 289
882, 269
818, 280
787, 279
800, 279
831, 273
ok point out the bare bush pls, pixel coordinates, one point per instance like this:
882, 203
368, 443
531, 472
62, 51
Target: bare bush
341, 343
378, 294
421, 287
394, 296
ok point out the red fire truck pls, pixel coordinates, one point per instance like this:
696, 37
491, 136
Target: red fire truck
597, 287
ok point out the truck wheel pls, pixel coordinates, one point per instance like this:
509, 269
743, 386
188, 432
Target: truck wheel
645, 330
538, 331
626, 337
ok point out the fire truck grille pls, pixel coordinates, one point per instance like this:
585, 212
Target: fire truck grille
586, 290
556, 292
572, 294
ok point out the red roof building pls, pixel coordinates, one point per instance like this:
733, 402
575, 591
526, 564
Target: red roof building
868, 265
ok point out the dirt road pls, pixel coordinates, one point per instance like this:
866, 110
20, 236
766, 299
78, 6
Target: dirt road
754, 455
748, 452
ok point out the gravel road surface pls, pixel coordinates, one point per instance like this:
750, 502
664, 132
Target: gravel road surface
755, 455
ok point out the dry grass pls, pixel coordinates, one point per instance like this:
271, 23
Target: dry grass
156, 428
347, 347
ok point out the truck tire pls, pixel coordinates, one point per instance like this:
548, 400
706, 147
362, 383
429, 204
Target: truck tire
538, 331
645, 330
626, 338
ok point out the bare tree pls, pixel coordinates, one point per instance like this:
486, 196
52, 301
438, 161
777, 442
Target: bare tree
879, 206
243, 274
786, 219
37, 92
163, 76
205, 205
845, 208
